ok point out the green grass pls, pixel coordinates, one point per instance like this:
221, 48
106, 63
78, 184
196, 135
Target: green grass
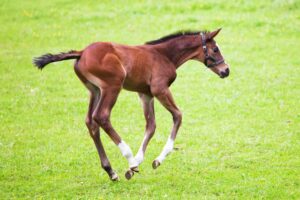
240, 137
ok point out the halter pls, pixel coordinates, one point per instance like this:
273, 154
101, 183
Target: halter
208, 57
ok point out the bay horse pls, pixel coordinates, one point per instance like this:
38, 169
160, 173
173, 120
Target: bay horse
105, 68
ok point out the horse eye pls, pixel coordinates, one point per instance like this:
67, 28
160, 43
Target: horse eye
215, 49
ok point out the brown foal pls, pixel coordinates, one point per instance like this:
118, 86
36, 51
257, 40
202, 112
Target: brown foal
105, 68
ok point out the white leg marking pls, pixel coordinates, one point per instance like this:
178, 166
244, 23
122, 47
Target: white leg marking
127, 153
139, 157
166, 150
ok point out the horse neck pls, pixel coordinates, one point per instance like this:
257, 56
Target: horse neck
180, 50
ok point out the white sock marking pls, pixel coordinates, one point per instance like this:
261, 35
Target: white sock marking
166, 150
127, 153
139, 157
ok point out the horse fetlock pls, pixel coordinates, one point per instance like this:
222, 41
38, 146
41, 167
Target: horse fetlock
166, 150
132, 162
127, 153
139, 157
168, 147
114, 176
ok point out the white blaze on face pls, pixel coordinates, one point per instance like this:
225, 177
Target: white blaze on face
127, 153
166, 150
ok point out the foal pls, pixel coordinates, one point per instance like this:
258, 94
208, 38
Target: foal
105, 68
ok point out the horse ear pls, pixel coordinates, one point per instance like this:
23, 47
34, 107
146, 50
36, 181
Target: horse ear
213, 34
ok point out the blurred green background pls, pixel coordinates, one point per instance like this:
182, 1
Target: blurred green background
239, 138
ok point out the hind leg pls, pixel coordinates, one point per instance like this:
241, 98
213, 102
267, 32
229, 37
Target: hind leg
108, 75
95, 132
93, 127
102, 116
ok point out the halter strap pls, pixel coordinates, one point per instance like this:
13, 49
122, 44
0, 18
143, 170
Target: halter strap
208, 57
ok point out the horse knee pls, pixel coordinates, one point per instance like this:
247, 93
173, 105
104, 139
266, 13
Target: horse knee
177, 117
153, 127
150, 127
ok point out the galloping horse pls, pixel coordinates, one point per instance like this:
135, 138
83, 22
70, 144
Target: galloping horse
105, 68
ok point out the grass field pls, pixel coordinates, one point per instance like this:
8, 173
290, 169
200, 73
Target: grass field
240, 137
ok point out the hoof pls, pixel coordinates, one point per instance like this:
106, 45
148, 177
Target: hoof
114, 177
155, 164
129, 174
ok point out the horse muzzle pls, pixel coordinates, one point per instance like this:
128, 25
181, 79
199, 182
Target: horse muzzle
224, 73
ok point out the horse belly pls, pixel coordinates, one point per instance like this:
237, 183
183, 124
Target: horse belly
136, 85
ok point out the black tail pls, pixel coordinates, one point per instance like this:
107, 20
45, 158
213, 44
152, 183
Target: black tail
42, 61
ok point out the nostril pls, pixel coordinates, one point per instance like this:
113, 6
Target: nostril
223, 74
227, 71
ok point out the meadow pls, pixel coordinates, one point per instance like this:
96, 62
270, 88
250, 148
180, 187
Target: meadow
240, 137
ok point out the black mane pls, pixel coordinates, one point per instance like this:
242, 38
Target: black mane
175, 35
